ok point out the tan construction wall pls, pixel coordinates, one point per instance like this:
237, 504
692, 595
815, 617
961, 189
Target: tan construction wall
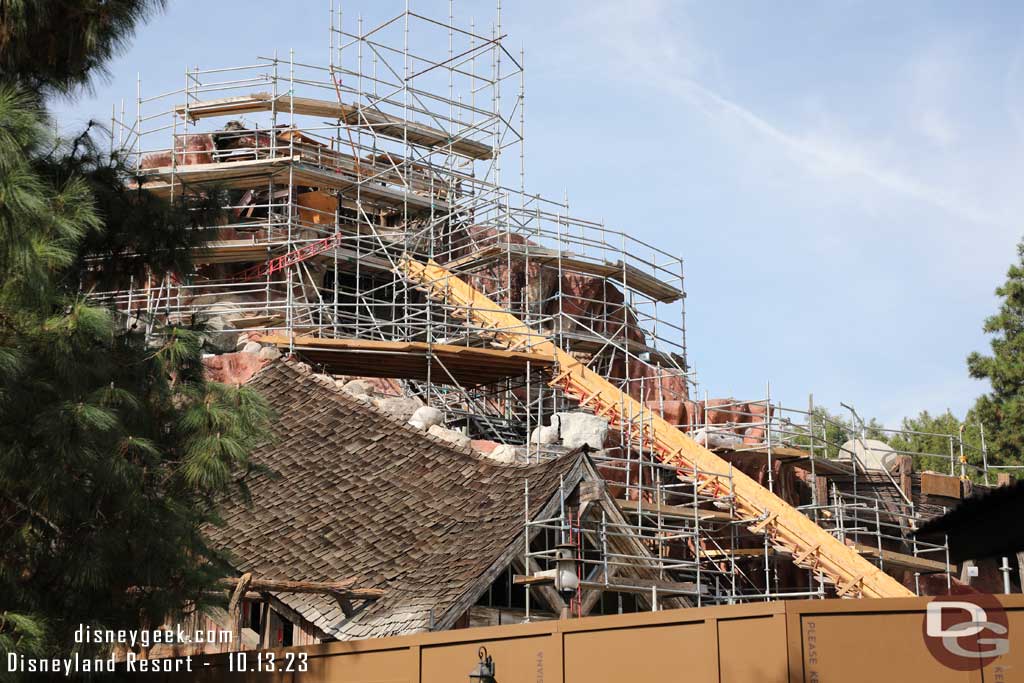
874, 641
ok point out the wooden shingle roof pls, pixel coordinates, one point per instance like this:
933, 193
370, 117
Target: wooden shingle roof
361, 494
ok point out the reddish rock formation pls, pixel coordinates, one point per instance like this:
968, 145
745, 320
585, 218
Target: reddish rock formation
232, 368
483, 445
196, 149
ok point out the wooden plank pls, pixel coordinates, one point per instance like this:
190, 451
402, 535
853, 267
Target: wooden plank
314, 176
905, 469
820, 490
381, 123
821, 466
777, 452
645, 507
902, 559
532, 580
480, 616
244, 323
370, 344
716, 554
935, 484
347, 587
592, 343
641, 586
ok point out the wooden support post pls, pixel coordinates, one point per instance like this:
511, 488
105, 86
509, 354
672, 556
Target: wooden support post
906, 469
235, 609
1020, 569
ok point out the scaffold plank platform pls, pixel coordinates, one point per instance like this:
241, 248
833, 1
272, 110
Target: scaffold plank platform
386, 124
623, 273
463, 365
256, 173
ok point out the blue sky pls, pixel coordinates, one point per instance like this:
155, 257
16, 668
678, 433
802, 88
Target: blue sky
843, 179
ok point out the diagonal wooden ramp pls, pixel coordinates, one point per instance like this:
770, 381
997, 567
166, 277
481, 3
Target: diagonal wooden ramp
811, 546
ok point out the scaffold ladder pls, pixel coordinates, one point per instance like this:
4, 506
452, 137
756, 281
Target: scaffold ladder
789, 530
303, 253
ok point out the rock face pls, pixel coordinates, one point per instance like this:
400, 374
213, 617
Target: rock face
746, 420
484, 446
426, 417
251, 347
221, 335
232, 368
192, 149
453, 437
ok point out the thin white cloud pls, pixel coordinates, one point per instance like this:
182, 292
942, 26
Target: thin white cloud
821, 154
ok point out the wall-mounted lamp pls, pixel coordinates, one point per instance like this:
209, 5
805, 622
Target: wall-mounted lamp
484, 671
566, 579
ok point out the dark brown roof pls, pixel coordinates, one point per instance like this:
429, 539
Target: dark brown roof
362, 494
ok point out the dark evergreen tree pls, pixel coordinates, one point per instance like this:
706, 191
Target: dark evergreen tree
59, 46
1001, 410
114, 449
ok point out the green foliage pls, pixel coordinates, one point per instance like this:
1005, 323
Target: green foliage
56, 46
1001, 410
931, 437
832, 431
22, 634
115, 452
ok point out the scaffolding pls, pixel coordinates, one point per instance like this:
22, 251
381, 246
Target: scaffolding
703, 551
327, 175
330, 176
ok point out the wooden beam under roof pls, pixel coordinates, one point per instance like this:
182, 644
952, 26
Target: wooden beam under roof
675, 511
255, 173
385, 124
903, 560
347, 587
465, 365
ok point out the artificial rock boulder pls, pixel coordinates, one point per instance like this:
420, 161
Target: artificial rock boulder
504, 454
579, 429
401, 407
573, 430
269, 353
359, 388
457, 439
426, 417
545, 436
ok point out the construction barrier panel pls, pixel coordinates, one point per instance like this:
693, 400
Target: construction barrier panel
969, 639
